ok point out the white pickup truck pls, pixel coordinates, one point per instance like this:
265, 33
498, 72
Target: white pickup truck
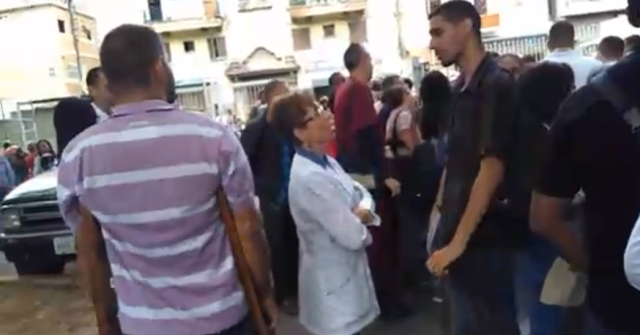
32, 233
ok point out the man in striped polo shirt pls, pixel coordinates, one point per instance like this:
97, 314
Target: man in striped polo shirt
148, 177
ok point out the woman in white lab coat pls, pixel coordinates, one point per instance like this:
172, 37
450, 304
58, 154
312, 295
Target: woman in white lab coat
336, 293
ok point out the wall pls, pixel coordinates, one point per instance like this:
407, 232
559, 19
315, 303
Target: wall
30, 55
246, 31
112, 13
194, 65
521, 17
325, 55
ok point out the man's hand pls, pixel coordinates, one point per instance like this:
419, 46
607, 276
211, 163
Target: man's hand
364, 215
393, 186
441, 259
271, 311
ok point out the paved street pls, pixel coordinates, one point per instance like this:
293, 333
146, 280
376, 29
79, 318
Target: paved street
57, 306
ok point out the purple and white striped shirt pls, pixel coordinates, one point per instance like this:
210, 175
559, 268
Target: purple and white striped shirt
149, 175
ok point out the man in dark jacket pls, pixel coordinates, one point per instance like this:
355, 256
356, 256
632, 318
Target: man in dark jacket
270, 158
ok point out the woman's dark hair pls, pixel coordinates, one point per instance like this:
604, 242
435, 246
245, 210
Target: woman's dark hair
542, 89
394, 96
289, 112
408, 82
435, 95
53, 152
71, 116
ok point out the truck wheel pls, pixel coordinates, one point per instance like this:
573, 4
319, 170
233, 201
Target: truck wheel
33, 267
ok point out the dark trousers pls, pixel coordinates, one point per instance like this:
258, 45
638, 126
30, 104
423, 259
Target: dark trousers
413, 232
480, 285
243, 328
384, 253
283, 243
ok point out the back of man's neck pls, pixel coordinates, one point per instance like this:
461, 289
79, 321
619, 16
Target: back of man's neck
357, 77
135, 97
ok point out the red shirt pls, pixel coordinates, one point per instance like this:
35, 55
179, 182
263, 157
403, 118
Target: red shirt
353, 111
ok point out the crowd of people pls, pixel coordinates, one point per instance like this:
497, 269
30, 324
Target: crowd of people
512, 192
17, 164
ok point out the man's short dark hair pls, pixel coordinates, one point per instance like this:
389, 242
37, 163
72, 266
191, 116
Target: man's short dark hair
270, 87
562, 35
408, 82
128, 53
93, 76
353, 56
456, 11
333, 76
611, 47
390, 81
528, 59
632, 41
375, 85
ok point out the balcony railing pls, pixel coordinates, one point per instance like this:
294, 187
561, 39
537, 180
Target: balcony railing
299, 9
305, 3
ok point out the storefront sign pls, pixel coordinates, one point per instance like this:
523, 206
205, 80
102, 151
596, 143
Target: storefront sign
582, 7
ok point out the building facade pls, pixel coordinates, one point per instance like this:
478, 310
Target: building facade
39, 58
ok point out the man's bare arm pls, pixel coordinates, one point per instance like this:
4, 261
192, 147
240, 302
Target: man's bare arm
546, 220
438, 203
489, 177
96, 272
256, 249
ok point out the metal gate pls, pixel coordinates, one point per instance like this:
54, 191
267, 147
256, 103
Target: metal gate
247, 94
534, 45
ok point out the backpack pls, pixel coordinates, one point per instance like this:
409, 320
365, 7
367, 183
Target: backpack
509, 209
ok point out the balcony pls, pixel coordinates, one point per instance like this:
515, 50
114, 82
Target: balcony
303, 9
182, 25
181, 19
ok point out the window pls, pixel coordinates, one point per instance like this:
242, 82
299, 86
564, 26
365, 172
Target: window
301, 39
217, 47
329, 30
61, 26
86, 32
189, 46
358, 31
481, 6
72, 71
155, 10
167, 51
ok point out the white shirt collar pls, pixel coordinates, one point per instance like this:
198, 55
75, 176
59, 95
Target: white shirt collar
102, 115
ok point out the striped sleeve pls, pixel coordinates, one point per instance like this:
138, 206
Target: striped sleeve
69, 187
235, 172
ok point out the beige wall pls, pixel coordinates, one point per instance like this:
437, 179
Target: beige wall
36, 58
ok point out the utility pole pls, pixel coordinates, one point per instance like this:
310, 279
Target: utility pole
398, 16
74, 34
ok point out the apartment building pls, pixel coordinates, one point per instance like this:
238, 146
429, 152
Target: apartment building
39, 58
321, 30
224, 52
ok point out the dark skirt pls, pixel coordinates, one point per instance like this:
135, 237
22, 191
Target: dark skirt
384, 252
